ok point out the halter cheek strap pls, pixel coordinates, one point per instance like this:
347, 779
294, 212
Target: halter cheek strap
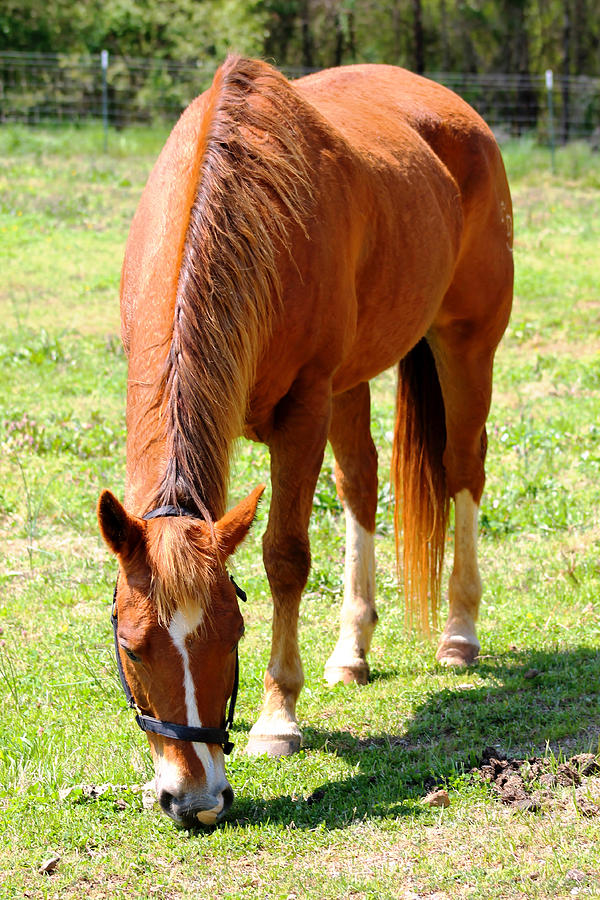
160, 726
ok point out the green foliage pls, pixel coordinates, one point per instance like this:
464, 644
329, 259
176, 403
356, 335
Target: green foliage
179, 30
472, 35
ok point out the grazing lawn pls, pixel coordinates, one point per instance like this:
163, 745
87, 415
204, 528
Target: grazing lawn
344, 818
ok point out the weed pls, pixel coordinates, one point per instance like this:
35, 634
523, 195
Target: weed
34, 496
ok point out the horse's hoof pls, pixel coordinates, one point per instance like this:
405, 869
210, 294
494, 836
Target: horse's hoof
358, 673
457, 652
262, 745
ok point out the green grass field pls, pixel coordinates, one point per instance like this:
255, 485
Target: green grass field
344, 818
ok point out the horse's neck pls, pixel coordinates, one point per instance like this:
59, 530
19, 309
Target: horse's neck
157, 468
146, 441
180, 441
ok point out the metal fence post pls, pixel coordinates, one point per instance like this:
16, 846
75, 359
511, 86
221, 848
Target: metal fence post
104, 64
549, 87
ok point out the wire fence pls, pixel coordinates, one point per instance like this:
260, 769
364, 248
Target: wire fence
44, 89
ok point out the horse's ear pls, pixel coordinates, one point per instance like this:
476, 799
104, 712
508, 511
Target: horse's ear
121, 531
235, 524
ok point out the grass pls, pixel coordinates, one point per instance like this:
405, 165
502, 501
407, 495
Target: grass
344, 817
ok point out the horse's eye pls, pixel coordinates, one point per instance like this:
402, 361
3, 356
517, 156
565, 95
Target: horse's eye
242, 633
131, 655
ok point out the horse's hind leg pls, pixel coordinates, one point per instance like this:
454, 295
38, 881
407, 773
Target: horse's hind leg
464, 351
465, 380
356, 480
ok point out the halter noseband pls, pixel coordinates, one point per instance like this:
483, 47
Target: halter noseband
171, 729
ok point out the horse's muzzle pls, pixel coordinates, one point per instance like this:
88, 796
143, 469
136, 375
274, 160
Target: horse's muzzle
189, 812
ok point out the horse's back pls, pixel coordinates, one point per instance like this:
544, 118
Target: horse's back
338, 93
382, 109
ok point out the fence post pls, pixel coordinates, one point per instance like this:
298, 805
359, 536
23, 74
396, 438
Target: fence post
549, 87
104, 64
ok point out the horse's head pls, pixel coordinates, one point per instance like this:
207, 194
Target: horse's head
177, 628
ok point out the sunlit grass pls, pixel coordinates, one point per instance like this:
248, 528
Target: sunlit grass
343, 818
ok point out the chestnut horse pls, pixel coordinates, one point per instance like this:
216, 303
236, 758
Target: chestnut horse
295, 239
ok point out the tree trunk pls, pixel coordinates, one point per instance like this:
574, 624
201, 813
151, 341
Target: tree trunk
338, 51
351, 36
444, 36
419, 43
308, 60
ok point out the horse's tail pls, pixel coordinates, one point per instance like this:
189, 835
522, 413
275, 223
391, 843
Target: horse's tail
419, 482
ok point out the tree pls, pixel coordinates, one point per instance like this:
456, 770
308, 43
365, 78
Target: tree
520, 36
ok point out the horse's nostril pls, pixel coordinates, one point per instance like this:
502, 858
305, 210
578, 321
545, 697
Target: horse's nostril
166, 800
227, 795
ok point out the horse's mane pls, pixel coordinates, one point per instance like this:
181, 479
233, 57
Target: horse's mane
182, 565
253, 185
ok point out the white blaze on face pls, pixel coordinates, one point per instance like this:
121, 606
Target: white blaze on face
181, 626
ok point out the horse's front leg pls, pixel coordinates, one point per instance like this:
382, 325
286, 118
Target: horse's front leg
297, 446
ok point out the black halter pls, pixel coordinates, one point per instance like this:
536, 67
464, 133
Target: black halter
171, 729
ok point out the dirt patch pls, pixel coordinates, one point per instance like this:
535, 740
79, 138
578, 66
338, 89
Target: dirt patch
532, 784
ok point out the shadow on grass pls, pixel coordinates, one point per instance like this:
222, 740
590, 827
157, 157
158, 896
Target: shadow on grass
529, 700
334, 805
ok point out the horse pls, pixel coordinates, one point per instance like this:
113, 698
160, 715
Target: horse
295, 239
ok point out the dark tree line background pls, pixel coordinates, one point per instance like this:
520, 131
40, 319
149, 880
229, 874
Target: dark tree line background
472, 36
